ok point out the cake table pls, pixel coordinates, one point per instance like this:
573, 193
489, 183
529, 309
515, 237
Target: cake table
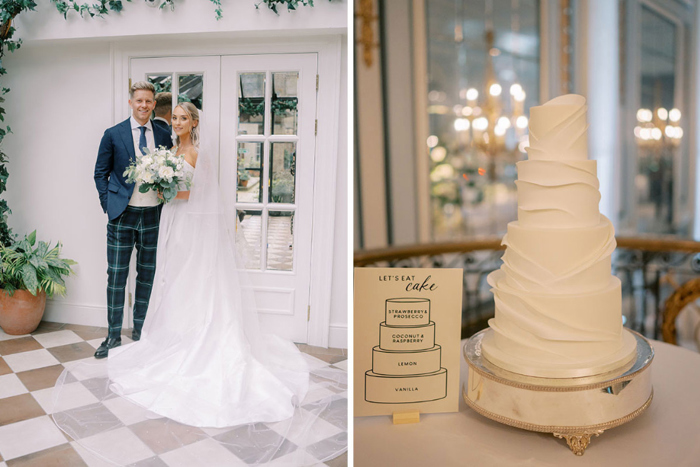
667, 433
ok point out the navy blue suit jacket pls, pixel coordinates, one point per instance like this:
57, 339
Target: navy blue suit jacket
163, 125
114, 156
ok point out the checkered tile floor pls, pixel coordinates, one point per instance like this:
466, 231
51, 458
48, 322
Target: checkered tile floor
29, 367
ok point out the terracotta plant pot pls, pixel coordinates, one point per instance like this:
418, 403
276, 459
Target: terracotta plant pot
243, 183
22, 312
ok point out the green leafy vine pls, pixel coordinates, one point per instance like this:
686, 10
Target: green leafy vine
290, 4
97, 9
281, 106
251, 107
9, 9
256, 107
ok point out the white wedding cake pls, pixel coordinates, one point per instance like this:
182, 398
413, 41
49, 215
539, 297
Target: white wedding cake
558, 306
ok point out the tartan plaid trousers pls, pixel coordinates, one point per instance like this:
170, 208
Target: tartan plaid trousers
136, 226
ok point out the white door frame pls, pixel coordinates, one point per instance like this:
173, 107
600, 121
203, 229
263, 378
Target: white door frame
328, 49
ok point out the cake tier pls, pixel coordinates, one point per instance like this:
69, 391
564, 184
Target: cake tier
558, 129
555, 195
548, 366
387, 389
401, 362
407, 311
558, 261
407, 337
573, 330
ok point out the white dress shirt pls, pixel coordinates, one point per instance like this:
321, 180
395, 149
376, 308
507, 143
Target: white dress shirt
137, 198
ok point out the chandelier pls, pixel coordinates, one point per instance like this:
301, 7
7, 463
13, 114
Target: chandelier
658, 128
492, 115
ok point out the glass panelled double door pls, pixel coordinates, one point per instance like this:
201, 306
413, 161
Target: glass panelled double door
260, 113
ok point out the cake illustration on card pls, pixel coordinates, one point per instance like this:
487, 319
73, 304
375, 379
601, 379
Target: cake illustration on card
407, 363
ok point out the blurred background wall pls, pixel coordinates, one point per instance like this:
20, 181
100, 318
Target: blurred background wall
442, 96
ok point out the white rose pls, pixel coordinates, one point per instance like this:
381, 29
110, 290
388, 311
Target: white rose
147, 178
166, 173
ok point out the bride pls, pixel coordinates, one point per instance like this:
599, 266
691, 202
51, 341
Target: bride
201, 360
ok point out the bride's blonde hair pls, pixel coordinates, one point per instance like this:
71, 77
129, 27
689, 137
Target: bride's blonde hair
193, 115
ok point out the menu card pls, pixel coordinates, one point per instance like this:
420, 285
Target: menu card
407, 324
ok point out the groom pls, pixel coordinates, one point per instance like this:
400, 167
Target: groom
133, 216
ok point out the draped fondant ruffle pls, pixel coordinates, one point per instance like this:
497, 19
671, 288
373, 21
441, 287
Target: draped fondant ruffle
558, 129
559, 261
554, 194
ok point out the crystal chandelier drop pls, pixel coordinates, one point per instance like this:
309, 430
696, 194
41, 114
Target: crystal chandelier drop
492, 115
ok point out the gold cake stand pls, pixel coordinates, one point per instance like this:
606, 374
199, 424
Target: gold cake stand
575, 409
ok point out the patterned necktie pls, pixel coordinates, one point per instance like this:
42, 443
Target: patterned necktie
142, 140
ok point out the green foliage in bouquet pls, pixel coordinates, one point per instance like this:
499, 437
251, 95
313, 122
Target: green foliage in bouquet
34, 266
160, 171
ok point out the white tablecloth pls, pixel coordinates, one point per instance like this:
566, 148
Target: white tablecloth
666, 435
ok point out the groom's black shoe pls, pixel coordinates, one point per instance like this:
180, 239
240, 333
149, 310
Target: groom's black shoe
108, 343
135, 334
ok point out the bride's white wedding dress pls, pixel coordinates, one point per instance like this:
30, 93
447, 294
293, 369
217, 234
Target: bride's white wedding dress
202, 362
194, 362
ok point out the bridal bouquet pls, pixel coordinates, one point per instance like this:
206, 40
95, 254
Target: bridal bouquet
161, 171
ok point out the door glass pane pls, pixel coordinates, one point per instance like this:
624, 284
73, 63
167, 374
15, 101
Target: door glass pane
190, 88
251, 223
280, 240
251, 104
284, 103
162, 83
250, 164
282, 172
658, 134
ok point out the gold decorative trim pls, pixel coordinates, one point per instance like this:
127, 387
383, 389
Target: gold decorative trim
563, 430
565, 40
578, 442
366, 39
543, 388
684, 295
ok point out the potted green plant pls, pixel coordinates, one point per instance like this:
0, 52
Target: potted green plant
282, 188
31, 271
243, 177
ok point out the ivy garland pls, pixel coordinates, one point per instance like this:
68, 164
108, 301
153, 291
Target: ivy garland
281, 106
9, 9
290, 4
253, 108
105, 6
250, 107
